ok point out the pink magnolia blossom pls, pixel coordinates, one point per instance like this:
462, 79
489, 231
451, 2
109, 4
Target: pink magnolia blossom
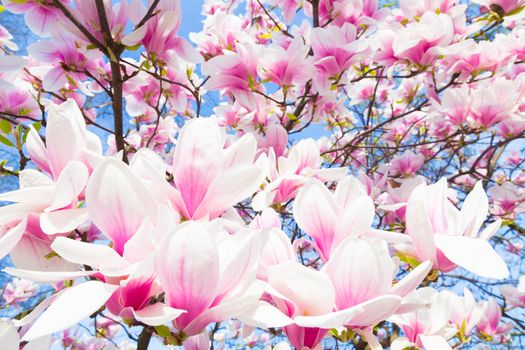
336, 49
506, 5
288, 67
234, 71
465, 313
208, 177
455, 105
42, 18
19, 290
68, 63
329, 217
489, 325
289, 173
418, 42
508, 199
427, 327
450, 237
515, 296
471, 58
159, 35
307, 303
395, 199
489, 106
406, 164
208, 274
16, 99
67, 139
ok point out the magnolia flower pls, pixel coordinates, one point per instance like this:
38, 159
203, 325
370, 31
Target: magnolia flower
465, 313
406, 164
289, 173
210, 178
121, 206
235, 71
506, 6
425, 328
67, 139
450, 237
515, 296
335, 50
489, 324
159, 34
508, 199
489, 106
288, 67
454, 105
42, 18
68, 63
209, 274
42, 207
329, 217
418, 41
19, 290
307, 303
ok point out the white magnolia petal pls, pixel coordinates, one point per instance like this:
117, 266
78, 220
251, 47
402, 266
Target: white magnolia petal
71, 307
473, 254
47, 277
157, 314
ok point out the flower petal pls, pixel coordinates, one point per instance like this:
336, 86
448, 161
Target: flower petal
118, 202
473, 254
71, 307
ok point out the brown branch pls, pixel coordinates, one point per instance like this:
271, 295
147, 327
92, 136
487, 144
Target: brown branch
113, 51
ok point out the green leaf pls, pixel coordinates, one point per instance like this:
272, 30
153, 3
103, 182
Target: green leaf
5, 126
134, 47
24, 111
163, 331
37, 126
24, 136
408, 259
6, 141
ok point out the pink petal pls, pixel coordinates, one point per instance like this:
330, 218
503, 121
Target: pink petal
360, 269
230, 187
118, 202
310, 290
65, 138
315, 212
196, 160
37, 150
419, 226
188, 268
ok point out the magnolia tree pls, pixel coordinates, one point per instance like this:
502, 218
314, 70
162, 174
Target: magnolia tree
301, 174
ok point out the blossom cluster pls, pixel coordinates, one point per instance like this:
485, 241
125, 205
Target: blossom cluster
216, 219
